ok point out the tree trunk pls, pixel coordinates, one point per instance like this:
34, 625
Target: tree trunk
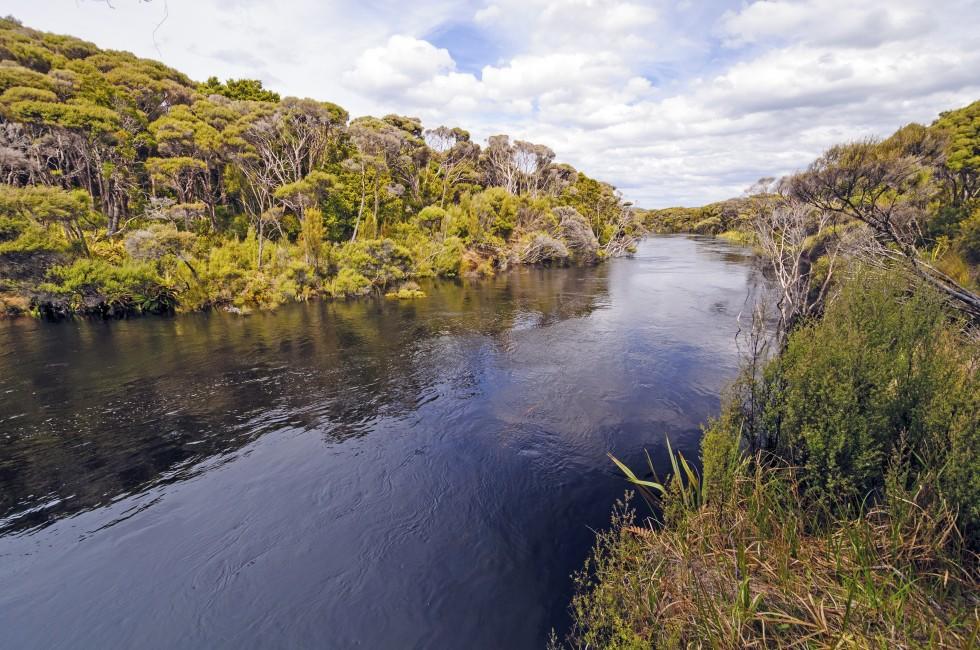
259, 234
360, 209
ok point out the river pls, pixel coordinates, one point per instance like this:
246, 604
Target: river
373, 473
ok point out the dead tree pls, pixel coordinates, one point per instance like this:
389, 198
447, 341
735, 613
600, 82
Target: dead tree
791, 235
886, 188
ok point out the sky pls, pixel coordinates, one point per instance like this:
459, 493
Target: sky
674, 103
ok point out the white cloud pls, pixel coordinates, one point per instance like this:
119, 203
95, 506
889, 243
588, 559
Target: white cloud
827, 22
488, 14
399, 64
673, 102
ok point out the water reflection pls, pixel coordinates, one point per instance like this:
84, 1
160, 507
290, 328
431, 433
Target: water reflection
381, 473
91, 410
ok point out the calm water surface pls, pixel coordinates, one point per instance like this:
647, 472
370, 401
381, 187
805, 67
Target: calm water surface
368, 474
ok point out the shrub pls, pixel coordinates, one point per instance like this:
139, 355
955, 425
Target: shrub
380, 261
93, 286
28, 249
430, 219
349, 283
968, 241
542, 248
577, 235
881, 378
708, 226
449, 260
496, 211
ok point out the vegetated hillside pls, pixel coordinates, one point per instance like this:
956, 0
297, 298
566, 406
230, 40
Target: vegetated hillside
127, 187
839, 502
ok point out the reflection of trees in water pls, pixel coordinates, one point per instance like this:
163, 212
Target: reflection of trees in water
94, 410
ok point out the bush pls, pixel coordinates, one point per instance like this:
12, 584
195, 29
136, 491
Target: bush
430, 219
542, 248
968, 241
349, 283
380, 261
577, 235
496, 211
881, 379
92, 286
28, 249
708, 226
449, 260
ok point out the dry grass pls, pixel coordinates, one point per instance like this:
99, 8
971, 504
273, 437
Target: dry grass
13, 305
748, 573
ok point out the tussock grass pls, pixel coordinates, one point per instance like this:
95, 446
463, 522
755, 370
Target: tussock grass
746, 570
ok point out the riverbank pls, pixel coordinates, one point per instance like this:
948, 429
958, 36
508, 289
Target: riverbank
131, 189
227, 278
839, 501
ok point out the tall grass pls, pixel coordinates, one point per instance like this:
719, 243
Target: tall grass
747, 570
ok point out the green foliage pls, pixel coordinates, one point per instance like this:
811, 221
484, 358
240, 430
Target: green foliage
968, 241
82, 116
16, 76
24, 94
158, 241
431, 218
721, 454
963, 130
496, 211
312, 236
866, 474
243, 89
349, 283
381, 261
746, 570
449, 260
45, 205
881, 379
124, 161
711, 219
28, 249
39, 227
91, 286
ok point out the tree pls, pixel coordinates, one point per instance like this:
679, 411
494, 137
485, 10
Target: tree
181, 174
289, 142
532, 161
792, 236
38, 228
379, 146
961, 129
159, 240
97, 146
455, 156
312, 236
498, 164
595, 200
184, 132
49, 206
306, 193
242, 89
885, 188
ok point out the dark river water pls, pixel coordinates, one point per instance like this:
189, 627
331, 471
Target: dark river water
376, 474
